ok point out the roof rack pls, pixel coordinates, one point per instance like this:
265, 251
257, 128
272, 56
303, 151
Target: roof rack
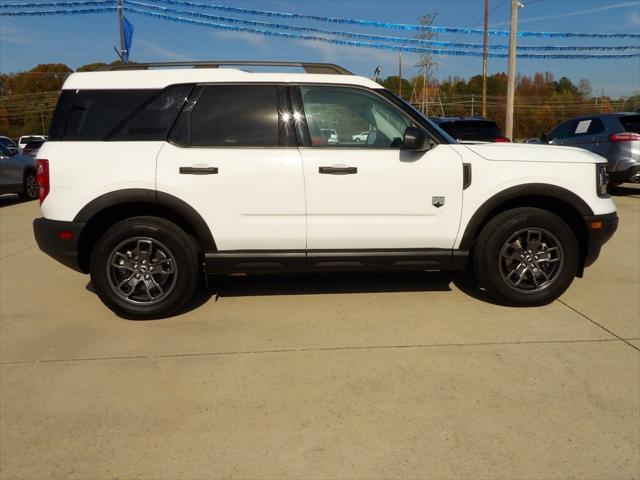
327, 68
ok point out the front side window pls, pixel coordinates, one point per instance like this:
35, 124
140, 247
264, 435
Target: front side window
347, 117
565, 130
231, 116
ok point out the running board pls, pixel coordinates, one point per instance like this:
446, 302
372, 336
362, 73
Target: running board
274, 261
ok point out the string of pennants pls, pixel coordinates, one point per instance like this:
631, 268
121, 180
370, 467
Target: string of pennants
346, 38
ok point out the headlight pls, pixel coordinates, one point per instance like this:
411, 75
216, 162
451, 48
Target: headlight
602, 179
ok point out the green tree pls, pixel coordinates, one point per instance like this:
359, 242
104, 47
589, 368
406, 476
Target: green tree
392, 83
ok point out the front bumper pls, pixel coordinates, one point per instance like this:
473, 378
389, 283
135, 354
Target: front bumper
59, 240
600, 228
625, 175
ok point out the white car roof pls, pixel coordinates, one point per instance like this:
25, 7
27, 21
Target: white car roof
160, 78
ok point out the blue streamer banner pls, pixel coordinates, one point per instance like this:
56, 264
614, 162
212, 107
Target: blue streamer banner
397, 26
336, 20
365, 36
378, 46
83, 3
43, 13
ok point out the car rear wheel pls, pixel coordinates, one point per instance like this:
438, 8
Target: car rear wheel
29, 186
526, 257
145, 267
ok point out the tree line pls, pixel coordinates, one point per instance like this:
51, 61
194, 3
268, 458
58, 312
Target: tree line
541, 102
28, 99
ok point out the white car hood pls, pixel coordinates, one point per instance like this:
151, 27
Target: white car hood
526, 152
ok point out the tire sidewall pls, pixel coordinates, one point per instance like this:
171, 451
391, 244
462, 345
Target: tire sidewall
186, 267
492, 257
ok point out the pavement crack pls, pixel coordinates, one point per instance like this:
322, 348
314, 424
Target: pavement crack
18, 252
601, 326
310, 349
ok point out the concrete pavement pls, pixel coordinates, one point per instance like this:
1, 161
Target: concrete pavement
331, 376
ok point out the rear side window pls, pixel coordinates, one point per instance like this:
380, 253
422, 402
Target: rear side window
588, 126
631, 123
117, 115
231, 116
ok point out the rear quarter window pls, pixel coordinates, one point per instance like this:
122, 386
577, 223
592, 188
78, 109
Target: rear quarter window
117, 115
631, 123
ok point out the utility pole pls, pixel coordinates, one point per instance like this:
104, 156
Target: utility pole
484, 58
121, 24
400, 74
511, 81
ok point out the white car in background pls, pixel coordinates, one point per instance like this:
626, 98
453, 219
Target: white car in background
361, 137
22, 141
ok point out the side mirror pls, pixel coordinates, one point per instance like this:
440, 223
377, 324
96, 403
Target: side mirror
416, 140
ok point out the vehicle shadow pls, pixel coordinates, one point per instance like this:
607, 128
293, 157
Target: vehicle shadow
9, 199
217, 287
626, 190
332, 283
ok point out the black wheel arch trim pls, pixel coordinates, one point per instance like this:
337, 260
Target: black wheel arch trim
153, 197
519, 192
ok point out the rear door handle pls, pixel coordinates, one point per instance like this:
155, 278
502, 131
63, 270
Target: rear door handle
198, 170
338, 170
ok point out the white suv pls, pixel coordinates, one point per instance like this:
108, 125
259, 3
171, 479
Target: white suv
153, 176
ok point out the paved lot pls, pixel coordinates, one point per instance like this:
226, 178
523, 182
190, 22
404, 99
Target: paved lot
372, 376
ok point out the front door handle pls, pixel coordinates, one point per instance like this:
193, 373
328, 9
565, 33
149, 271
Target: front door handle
338, 170
198, 170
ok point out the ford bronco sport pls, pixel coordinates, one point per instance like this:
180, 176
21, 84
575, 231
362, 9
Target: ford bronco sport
153, 176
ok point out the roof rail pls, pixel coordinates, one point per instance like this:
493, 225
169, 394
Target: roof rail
327, 68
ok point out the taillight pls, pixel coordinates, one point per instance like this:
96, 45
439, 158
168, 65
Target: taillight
42, 177
501, 140
624, 137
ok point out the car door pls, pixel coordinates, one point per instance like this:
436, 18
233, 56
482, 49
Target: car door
372, 195
232, 158
585, 133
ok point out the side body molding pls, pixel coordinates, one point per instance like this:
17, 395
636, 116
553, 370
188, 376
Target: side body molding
150, 197
519, 194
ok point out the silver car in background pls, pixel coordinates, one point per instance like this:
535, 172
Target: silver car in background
614, 136
18, 174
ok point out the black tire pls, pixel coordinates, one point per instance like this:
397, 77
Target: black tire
499, 263
138, 245
29, 186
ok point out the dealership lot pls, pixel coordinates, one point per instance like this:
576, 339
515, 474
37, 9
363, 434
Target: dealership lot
328, 376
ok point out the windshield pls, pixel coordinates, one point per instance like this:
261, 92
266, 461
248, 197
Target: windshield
431, 124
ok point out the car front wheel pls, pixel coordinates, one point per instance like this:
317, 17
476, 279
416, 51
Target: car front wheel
526, 257
145, 267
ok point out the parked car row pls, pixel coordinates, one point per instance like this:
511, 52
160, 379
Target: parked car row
614, 136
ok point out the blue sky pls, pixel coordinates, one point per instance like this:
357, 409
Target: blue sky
76, 40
